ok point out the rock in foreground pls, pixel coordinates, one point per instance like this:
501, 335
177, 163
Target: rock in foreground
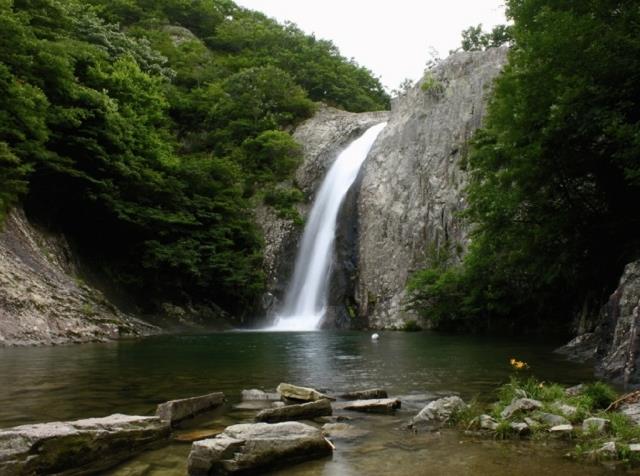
175, 411
252, 448
303, 411
380, 405
301, 394
438, 411
74, 447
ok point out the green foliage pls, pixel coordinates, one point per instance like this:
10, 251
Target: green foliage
552, 172
474, 39
411, 326
283, 200
430, 84
148, 143
600, 395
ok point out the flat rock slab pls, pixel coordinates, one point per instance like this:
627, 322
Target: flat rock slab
257, 447
303, 411
369, 394
175, 411
78, 446
301, 394
380, 405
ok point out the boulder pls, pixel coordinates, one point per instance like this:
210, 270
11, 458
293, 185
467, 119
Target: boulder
566, 410
634, 448
369, 394
254, 448
438, 411
520, 428
596, 425
302, 411
550, 419
301, 394
81, 446
343, 431
561, 430
487, 422
380, 405
175, 411
608, 449
520, 405
632, 410
575, 390
259, 395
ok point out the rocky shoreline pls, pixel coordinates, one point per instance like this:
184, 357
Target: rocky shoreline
297, 424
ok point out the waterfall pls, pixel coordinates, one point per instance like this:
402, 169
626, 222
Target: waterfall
306, 298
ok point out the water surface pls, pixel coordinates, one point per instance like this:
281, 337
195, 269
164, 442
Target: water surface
70, 382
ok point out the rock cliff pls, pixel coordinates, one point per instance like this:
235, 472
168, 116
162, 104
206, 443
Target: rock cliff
412, 183
42, 300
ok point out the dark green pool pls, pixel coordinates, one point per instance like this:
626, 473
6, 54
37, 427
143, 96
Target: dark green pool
70, 382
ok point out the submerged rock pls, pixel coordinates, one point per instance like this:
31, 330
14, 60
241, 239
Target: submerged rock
258, 395
303, 411
175, 411
302, 394
253, 448
520, 405
80, 446
368, 394
438, 411
380, 405
343, 431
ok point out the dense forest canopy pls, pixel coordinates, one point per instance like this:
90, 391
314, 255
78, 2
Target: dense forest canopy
554, 173
147, 130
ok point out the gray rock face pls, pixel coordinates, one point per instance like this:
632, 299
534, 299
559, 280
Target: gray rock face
175, 411
77, 446
438, 411
42, 300
253, 448
412, 182
303, 411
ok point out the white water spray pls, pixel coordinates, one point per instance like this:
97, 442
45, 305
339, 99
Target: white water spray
306, 298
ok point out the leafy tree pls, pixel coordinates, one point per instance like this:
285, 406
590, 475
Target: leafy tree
475, 39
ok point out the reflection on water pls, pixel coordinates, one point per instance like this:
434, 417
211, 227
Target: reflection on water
44, 384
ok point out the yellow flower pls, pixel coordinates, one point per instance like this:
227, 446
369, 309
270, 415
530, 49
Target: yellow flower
518, 364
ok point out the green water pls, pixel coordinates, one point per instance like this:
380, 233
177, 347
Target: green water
71, 382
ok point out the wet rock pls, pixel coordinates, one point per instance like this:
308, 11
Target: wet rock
303, 411
561, 430
343, 431
520, 428
380, 405
438, 411
632, 410
596, 425
566, 410
520, 405
196, 435
369, 394
258, 395
608, 449
175, 411
575, 390
487, 422
277, 404
550, 419
302, 394
254, 405
253, 448
333, 419
78, 446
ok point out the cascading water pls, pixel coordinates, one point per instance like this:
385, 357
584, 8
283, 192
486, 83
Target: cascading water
306, 298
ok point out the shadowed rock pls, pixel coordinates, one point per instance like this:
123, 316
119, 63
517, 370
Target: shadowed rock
73, 447
175, 411
303, 411
253, 448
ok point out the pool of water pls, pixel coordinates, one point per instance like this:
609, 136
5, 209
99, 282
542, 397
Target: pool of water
71, 382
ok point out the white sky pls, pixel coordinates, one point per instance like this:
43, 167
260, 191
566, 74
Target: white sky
391, 38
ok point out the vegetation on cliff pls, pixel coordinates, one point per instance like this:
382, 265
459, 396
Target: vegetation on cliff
146, 131
554, 173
